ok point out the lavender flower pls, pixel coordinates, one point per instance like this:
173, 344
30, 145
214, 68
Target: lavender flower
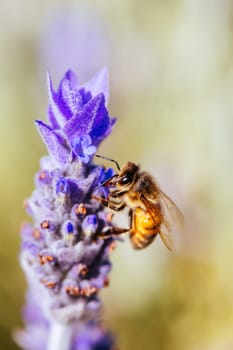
65, 262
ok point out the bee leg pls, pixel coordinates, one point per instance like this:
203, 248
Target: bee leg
110, 204
103, 201
112, 231
116, 207
117, 194
131, 223
130, 217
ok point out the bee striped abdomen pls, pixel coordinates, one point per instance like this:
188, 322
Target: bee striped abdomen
144, 228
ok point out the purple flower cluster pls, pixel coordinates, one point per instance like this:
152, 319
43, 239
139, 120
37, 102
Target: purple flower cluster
65, 262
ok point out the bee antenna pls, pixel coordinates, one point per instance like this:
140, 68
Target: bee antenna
111, 160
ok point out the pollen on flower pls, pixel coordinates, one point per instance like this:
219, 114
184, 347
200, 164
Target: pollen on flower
49, 284
81, 209
45, 258
36, 233
72, 290
44, 176
45, 224
88, 291
82, 270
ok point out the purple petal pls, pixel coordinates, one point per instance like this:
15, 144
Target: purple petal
71, 76
58, 117
86, 141
101, 121
62, 186
112, 122
99, 83
52, 119
55, 144
70, 100
84, 158
82, 123
90, 150
106, 174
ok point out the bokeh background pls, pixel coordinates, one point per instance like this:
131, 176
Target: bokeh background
171, 77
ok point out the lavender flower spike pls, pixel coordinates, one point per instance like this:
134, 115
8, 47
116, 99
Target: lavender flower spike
65, 262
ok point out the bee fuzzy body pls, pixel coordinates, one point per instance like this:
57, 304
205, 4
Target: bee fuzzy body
151, 211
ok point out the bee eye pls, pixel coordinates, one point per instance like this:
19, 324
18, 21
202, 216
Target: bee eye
125, 180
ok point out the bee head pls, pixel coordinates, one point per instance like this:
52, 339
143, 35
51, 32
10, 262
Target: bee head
125, 178
127, 174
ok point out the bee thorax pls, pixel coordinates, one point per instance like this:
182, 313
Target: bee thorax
133, 201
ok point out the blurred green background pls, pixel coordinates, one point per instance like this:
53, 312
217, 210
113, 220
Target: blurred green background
171, 77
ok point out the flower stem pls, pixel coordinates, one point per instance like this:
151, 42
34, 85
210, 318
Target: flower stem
60, 336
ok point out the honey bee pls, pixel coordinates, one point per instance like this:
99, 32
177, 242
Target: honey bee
151, 211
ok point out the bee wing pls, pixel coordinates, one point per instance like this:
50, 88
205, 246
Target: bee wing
172, 218
167, 239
